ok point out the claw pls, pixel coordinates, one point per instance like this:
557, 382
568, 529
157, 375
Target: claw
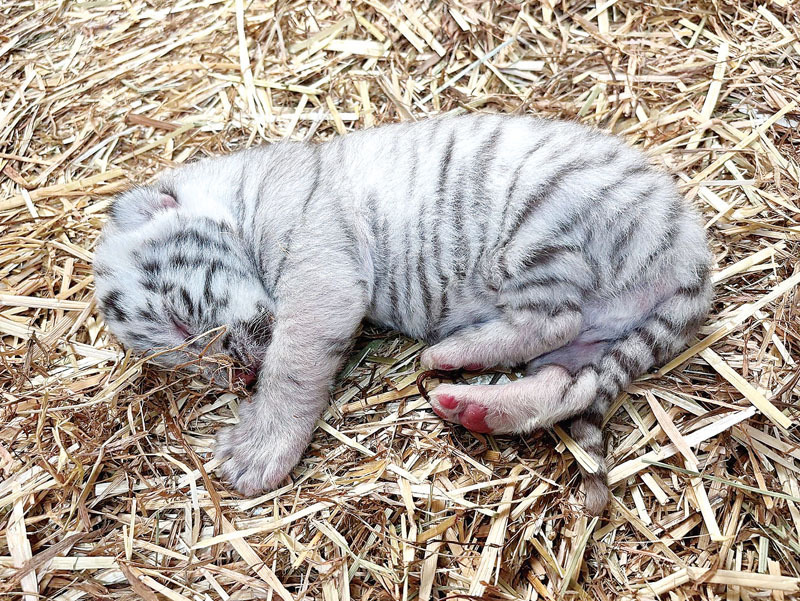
425, 375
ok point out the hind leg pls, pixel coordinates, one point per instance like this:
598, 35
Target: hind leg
552, 393
516, 338
548, 396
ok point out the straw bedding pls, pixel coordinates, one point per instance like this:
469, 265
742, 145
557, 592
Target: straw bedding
107, 485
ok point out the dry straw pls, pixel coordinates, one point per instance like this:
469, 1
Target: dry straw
107, 488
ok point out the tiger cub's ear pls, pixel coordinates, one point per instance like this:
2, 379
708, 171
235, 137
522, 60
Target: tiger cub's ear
138, 205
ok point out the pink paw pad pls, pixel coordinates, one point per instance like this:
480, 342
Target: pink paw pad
473, 418
447, 401
446, 367
473, 367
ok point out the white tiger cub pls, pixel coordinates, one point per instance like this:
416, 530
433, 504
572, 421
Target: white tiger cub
500, 240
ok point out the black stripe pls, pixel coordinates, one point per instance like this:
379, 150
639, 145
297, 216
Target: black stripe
444, 309
649, 339
636, 169
208, 293
287, 242
694, 323
655, 340
442, 198
585, 369
444, 166
692, 290
187, 300
566, 306
542, 255
512, 187
585, 429
427, 298
146, 315
239, 197
674, 328
183, 237
645, 339
622, 240
580, 216
422, 248
380, 252
313, 190
665, 245
151, 267
362, 283
406, 290
200, 238
412, 173
422, 224
346, 228
261, 194
628, 364
394, 302
405, 257
149, 283
481, 165
553, 309
435, 125
111, 303
544, 191
521, 165
604, 395
219, 227
461, 252
547, 281
180, 260
594, 267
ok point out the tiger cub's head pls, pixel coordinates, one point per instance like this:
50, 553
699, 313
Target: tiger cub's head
174, 279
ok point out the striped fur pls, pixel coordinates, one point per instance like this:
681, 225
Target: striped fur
499, 240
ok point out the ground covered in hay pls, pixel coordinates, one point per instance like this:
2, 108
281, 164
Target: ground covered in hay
107, 488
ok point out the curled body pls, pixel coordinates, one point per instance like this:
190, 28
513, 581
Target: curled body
498, 240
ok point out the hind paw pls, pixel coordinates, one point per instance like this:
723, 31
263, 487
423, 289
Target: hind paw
458, 404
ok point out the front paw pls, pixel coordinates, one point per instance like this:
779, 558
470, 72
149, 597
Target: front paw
256, 460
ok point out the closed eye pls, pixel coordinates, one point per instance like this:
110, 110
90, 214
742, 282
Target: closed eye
181, 328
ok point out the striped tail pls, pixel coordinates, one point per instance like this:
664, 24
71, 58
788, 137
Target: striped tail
663, 332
